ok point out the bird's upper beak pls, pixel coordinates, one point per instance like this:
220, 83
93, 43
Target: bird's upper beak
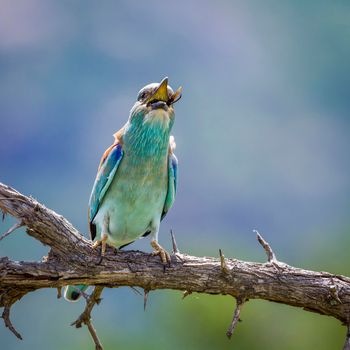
161, 94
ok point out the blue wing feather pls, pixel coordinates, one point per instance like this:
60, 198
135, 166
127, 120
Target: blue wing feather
108, 167
172, 183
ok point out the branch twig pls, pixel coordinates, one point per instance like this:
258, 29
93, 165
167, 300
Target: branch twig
235, 319
224, 267
85, 317
11, 229
175, 248
271, 257
92, 330
145, 298
8, 323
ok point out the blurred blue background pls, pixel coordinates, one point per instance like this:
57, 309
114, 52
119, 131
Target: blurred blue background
262, 136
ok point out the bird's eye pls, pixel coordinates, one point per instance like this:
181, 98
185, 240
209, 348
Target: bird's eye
141, 95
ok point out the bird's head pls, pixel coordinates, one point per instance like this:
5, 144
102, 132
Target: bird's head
154, 105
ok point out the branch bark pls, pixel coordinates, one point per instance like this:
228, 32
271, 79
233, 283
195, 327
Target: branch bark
72, 260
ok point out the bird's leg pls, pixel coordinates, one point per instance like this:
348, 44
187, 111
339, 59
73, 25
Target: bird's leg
104, 236
101, 242
159, 250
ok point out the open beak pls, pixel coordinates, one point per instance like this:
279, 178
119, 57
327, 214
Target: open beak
161, 94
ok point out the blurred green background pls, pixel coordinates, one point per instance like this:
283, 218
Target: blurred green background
262, 137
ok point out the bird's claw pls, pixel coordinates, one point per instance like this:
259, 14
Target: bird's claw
103, 243
159, 250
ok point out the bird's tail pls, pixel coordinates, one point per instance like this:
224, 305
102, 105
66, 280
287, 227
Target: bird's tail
73, 293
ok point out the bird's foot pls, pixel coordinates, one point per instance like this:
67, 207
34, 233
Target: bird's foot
159, 250
103, 243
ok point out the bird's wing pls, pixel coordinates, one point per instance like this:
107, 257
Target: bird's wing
172, 178
108, 166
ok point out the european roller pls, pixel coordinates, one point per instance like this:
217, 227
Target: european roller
136, 180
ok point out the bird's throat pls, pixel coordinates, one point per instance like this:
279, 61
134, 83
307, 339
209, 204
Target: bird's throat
147, 140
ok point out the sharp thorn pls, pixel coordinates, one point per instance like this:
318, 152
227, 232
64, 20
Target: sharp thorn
224, 267
145, 298
175, 248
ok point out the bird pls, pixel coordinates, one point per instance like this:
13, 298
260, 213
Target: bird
136, 181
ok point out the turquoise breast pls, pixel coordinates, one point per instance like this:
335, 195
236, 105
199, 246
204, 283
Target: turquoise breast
135, 199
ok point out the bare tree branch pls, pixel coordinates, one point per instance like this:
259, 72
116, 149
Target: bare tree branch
72, 260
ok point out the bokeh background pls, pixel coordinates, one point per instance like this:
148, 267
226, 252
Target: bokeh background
262, 137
